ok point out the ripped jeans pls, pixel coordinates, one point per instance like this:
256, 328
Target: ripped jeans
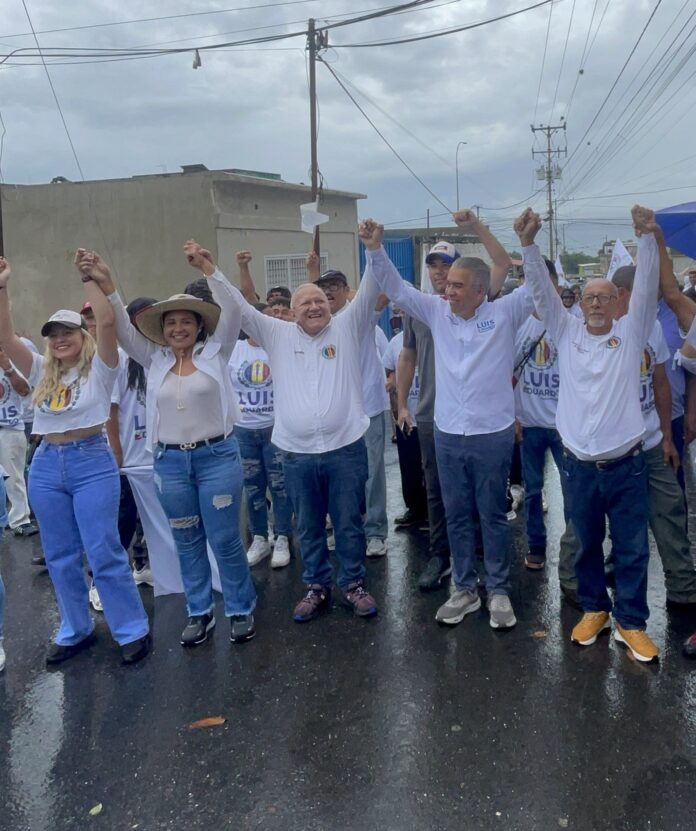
262, 463
200, 491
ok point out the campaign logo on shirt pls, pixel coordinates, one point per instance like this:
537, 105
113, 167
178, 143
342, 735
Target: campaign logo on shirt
485, 326
63, 399
329, 352
613, 342
544, 355
254, 374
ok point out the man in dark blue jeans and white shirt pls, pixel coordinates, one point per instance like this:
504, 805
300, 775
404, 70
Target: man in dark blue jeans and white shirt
474, 418
601, 424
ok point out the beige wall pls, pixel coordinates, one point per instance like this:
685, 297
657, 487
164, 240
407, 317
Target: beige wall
139, 225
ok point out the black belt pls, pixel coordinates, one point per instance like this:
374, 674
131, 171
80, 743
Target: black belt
604, 464
190, 445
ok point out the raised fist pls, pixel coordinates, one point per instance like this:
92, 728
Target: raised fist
243, 257
465, 218
527, 225
5, 271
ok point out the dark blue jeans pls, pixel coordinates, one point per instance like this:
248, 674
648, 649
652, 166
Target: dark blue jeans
620, 492
200, 491
473, 477
262, 463
333, 483
536, 441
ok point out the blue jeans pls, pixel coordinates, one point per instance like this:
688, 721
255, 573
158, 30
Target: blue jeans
473, 478
334, 483
376, 525
74, 489
536, 441
200, 491
620, 492
262, 463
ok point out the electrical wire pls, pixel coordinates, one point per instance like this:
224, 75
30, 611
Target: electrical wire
382, 136
616, 81
560, 71
441, 32
543, 64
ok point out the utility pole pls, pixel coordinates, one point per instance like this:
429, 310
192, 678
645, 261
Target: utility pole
316, 40
549, 172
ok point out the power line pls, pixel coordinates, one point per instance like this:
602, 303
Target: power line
162, 17
384, 139
616, 81
53, 91
543, 63
440, 32
560, 71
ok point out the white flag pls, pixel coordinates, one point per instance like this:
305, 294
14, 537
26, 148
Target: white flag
562, 282
311, 217
618, 258
426, 286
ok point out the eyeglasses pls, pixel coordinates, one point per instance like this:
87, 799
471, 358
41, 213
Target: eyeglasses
332, 286
587, 299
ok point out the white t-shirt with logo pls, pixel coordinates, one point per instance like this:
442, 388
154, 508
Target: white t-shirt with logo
132, 431
390, 360
536, 393
656, 352
250, 373
77, 402
12, 405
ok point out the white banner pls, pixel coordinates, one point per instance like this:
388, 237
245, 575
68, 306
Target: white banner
310, 217
618, 258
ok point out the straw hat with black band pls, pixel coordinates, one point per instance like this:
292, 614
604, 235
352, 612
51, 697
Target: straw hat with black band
150, 319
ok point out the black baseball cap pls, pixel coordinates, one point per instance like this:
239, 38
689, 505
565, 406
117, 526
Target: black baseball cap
332, 275
283, 291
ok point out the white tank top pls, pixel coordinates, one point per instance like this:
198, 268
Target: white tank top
189, 408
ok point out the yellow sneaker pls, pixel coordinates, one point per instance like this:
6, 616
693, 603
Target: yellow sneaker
638, 641
589, 626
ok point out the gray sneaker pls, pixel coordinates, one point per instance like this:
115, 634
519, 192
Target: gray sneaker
457, 607
500, 608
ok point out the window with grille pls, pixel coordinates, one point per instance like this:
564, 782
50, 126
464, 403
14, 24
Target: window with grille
289, 270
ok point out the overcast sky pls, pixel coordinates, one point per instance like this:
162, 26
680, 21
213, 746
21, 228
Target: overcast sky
248, 108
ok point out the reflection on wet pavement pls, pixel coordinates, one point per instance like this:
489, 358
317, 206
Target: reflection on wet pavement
346, 724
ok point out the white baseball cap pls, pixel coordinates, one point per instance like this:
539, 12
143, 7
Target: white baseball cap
65, 317
444, 250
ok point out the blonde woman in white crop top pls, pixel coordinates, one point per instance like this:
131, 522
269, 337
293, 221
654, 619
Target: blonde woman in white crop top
73, 480
185, 343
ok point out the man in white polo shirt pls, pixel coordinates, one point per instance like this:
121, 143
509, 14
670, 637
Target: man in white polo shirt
601, 424
474, 419
319, 425
334, 284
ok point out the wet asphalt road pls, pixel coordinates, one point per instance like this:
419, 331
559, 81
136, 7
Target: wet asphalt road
346, 724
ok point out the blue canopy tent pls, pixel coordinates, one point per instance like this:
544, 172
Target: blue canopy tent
679, 227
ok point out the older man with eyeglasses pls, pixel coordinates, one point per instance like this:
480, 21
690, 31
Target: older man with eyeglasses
601, 424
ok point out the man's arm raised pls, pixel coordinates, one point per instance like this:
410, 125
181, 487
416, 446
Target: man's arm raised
381, 268
548, 304
468, 221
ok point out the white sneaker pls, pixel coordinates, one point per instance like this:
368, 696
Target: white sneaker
517, 494
260, 549
376, 547
94, 599
143, 576
281, 552
544, 501
2, 657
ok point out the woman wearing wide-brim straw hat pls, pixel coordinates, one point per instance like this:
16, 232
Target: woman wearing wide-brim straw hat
185, 344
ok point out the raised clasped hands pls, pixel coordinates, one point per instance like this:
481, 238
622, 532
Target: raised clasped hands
371, 233
526, 226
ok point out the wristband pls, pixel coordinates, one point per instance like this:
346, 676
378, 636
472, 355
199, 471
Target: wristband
87, 278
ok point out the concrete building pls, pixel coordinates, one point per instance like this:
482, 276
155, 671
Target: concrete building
139, 226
